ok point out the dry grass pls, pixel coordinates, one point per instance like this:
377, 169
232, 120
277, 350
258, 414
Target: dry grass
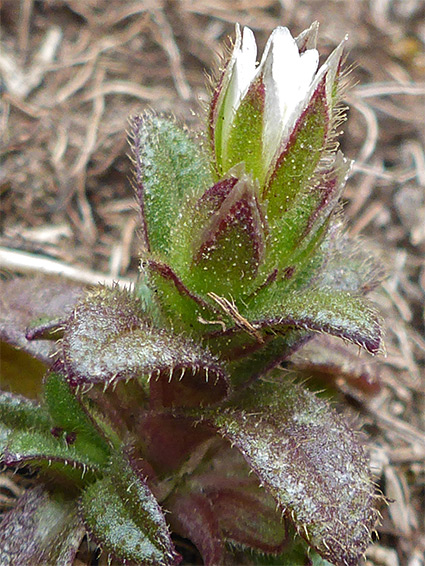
74, 71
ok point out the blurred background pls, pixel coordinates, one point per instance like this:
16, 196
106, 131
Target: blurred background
72, 73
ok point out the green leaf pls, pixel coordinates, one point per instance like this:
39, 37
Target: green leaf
296, 554
18, 414
304, 453
170, 168
107, 340
29, 435
43, 528
338, 313
124, 517
68, 414
43, 450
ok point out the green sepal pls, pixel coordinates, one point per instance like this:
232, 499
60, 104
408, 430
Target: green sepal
296, 164
170, 168
124, 518
244, 142
300, 229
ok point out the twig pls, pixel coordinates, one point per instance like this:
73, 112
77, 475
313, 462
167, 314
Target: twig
385, 89
170, 47
23, 262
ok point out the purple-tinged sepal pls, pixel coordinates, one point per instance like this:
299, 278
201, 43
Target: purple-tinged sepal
229, 248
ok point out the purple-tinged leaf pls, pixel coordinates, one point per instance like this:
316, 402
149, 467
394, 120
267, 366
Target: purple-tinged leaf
243, 512
193, 516
31, 301
125, 519
338, 313
331, 361
307, 457
167, 441
248, 517
43, 528
106, 340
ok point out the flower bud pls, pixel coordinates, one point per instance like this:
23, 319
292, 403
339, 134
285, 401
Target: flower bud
255, 110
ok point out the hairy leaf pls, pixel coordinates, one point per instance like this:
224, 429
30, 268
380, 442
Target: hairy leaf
69, 415
349, 265
339, 313
43, 528
28, 301
18, 414
28, 434
243, 512
248, 517
124, 517
169, 168
52, 454
311, 462
194, 517
328, 359
106, 339
297, 553
168, 441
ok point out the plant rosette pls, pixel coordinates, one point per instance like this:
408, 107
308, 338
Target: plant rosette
164, 398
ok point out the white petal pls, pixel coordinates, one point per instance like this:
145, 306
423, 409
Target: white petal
309, 61
280, 61
288, 77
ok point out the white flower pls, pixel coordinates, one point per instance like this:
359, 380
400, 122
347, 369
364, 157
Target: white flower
288, 79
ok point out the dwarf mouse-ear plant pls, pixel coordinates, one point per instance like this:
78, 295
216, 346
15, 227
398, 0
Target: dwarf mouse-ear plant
166, 412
